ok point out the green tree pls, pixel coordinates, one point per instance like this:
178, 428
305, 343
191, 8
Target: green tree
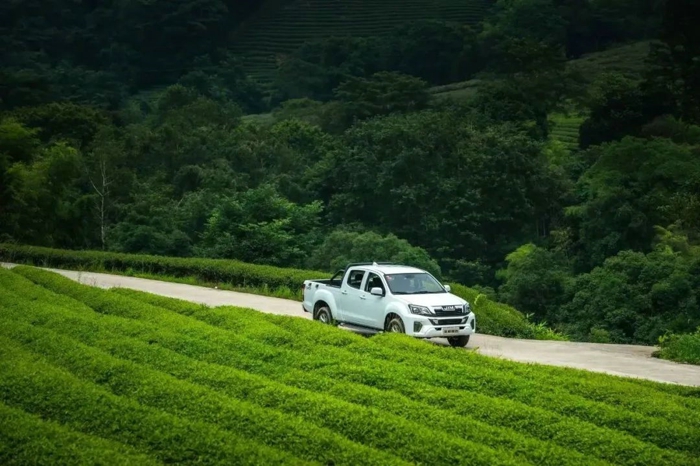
442, 182
635, 298
260, 226
633, 185
535, 281
381, 94
342, 247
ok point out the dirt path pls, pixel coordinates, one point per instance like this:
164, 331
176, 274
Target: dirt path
623, 360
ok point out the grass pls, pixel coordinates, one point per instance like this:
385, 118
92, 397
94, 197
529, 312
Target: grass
278, 31
493, 318
160, 380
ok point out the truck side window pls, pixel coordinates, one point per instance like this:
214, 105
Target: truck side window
355, 278
373, 281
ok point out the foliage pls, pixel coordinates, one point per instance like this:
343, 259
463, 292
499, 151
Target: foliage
387, 174
636, 298
494, 318
382, 94
681, 347
343, 247
178, 365
438, 52
110, 140
628, 190
260, 225
535, 281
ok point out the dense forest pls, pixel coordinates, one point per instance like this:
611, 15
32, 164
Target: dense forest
134, 126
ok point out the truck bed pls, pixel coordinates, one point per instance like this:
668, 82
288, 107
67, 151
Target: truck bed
336, 284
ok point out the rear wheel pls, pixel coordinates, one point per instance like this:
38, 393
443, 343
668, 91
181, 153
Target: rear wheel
458, 342
323, 315
395, 325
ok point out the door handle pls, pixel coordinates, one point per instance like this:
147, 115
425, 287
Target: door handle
345, 292
363, 297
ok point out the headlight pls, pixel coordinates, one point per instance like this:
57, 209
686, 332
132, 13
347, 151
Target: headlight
421, 310
467, 308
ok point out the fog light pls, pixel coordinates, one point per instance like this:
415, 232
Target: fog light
472, 324
417, 326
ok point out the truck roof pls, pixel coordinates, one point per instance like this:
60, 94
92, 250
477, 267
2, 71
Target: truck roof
384, 268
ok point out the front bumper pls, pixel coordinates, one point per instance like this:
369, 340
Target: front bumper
435, 327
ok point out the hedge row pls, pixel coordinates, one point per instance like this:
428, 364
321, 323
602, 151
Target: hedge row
285, 432
40, 388
636, 395
306, 403
367, 426
236, 273
493, 318
206, 343
27, 439
568, 391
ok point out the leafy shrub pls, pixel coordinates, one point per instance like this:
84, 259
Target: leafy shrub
209, 270
28, 439
343, 247
681, 348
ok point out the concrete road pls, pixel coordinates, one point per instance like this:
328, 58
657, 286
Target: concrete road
623, 360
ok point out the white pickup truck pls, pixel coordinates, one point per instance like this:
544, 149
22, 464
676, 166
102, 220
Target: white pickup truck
392, 298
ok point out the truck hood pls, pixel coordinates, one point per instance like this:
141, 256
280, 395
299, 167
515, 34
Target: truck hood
429, 300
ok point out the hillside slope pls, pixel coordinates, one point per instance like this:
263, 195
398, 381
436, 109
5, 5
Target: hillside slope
276, 32
175, 382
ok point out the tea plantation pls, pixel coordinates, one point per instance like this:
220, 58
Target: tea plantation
284, 26
122, 377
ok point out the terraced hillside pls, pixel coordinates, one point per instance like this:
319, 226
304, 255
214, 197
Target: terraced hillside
565, 129
628, 60
277, 31
122, 377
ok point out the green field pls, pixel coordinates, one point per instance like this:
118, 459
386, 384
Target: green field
280, 30
493, 318
123, 377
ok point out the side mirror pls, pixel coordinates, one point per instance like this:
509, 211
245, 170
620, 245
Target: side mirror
448, 288
376, 291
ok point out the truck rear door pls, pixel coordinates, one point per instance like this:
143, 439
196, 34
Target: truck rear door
350, 301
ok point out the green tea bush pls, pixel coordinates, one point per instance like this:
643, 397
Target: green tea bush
187, 400
681, 348
37, 387
492, 318
370, 427
357, 370
305, 402
306, 335
209, 270
27, 439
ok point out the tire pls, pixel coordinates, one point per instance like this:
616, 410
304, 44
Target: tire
458, 342
323, 315
395, 325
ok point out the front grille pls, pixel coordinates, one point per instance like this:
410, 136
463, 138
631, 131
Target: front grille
442, 313
446, 321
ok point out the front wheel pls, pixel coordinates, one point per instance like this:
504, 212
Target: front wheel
395, 325
458, 342
323, 315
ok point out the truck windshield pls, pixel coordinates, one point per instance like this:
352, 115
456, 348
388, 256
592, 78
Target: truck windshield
413, 283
